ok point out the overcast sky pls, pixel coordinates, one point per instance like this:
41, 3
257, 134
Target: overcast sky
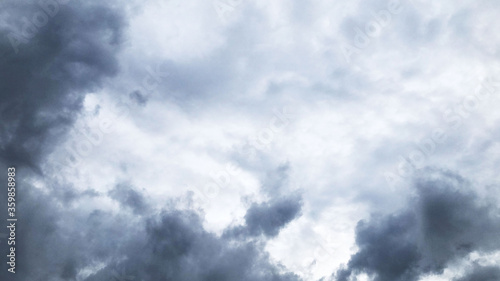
251, 140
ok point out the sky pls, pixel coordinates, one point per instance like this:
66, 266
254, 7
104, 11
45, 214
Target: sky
251, 140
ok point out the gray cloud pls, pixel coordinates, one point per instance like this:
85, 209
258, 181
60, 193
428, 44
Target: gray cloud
444, 222
45, 78
276, 181
271, 55
482, 273
129, 197
138, 97
55, 240
42, 90
268, 218
176, 247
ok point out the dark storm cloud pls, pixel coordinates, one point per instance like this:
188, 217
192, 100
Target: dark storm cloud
54, 240
129, 197
176, 247
482, 273
445, 222
57, 240
268, 218
46, 70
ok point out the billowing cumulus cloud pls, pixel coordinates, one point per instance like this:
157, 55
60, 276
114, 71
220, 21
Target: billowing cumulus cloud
53, 54
175, 246
444, 222
65, 240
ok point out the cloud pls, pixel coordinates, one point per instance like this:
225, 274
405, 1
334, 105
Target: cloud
275, 181
56, 239
129, 197
46, 74
482, 273
198, 89
268, 218
138, 97
176, 247
47, 68
445, 221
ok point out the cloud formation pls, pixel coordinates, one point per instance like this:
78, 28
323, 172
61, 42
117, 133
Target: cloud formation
172, 244
175, 246
267, 218
482, 273
128, 197
215, 105
48, 71
444, 222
